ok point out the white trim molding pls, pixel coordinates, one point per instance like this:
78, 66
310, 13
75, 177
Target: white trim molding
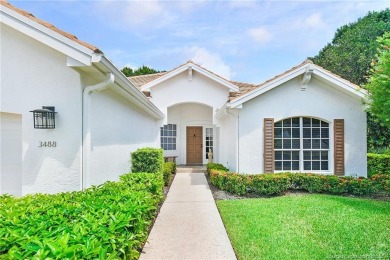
190, 66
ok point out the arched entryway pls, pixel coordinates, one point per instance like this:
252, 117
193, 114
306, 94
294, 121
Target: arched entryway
189, 133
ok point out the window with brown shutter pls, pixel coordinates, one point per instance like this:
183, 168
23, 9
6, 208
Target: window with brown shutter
268, 145
301, 144
339, 147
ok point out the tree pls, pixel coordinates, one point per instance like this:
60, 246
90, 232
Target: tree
353, 47
379, 82
140, 71
128, 71
350, 54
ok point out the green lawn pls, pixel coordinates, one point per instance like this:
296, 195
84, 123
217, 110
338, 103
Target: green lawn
308, 227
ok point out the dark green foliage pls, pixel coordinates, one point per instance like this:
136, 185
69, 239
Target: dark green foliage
144, 70
378, 164
169, 169
379, 82
269, 184
147, 160
378, 134
279, 183
216, 166
382, 181
109, 221
354, 46
350, 54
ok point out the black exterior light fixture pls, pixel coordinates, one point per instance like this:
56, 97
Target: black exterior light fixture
44, 118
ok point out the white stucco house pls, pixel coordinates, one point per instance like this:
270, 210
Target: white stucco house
100, 116
303, 120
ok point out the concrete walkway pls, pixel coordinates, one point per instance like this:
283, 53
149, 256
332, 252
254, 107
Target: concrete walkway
189, 225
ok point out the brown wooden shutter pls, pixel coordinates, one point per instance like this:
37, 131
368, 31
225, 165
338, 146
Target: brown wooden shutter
268, 145
338, 130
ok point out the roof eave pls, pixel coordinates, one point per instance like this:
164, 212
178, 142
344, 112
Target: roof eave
47, 36
184, 67
132, 91
350, 88
267, 87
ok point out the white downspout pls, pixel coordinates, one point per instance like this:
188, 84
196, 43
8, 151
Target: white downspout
86, 128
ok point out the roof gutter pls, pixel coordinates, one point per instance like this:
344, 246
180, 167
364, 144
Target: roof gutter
127, 87
86, 125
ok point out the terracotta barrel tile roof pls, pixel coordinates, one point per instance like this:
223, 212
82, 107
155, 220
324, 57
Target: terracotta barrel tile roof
50, 26
141, 80
244, 88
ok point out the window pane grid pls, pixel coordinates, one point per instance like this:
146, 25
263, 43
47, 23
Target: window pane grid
168, 137
209, 141
301, 143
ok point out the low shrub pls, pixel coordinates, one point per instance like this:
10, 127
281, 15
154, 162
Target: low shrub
169, 169
378, 164
267, 184
216, 166
109, 221
149, 160
381, 181
279, 183
231, 182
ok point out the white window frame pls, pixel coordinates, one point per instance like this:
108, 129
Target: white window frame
301, 149
172, 136
212, 140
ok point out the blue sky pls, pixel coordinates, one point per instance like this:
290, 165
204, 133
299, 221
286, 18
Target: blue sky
249, 41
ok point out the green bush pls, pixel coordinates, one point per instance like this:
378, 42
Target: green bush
381, 181
267, 184
109, 221
236, 183
147, 160
169, 169
378, 164
216, 166
279, 183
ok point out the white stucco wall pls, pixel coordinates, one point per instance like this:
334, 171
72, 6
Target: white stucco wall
188, 114
320, 101
190, 103
228, 141
34, 75
179, 89
117, 129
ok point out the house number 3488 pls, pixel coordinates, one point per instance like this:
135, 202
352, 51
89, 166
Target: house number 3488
47, 144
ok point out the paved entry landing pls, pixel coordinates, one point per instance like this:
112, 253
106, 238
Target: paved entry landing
189, 225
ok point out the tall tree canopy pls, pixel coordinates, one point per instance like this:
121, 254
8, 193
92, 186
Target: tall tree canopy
354, 47
140, 71
350, 54
379, 82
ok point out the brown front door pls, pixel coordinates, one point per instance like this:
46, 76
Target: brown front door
194, 145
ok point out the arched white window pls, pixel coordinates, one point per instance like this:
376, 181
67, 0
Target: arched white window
301, 144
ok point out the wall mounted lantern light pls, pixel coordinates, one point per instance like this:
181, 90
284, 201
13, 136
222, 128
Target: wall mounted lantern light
44, 118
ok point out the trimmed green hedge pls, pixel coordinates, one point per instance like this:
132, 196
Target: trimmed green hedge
169, 169
147, 160
216, 166
279, 183
378, 164
109, 221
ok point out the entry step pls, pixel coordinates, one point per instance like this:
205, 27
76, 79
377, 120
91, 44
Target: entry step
191, 168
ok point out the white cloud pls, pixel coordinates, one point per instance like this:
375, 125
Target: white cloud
211, 61
314, 21
260, 34
135, 14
